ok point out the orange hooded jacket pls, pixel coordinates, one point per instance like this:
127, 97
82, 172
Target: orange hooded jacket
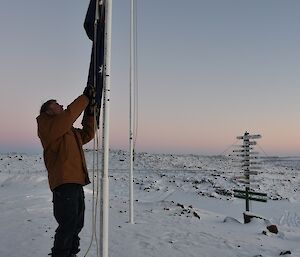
62, 143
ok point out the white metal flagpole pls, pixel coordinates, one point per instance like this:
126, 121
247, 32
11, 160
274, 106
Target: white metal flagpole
131, 111
104, 211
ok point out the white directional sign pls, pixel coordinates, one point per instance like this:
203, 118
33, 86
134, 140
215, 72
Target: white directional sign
251, 172
248, 162
247, 156
247, 136
242, 150
247, 143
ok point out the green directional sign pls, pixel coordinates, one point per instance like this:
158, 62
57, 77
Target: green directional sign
250, 195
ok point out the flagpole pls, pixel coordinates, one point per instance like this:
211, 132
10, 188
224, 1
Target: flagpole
131, 111
104, 212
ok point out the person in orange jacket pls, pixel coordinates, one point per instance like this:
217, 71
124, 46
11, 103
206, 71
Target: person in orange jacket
65, 162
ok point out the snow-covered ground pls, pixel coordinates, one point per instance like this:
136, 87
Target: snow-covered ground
184, 206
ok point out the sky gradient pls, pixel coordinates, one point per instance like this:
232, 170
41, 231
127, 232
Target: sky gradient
208, 71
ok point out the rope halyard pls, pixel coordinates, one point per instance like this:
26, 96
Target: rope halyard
95, 172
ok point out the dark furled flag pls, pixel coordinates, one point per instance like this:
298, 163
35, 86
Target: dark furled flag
95, 29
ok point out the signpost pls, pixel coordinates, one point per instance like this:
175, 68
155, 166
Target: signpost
249, 167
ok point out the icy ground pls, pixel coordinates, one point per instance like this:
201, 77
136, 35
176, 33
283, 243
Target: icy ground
183, 207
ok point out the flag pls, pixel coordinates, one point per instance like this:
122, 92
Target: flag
95, 29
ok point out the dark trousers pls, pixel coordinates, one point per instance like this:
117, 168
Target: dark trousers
68, 207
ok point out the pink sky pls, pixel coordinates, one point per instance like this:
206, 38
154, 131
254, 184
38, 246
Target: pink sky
223, 69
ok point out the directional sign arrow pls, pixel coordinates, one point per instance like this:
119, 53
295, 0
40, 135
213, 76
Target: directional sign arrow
242, 150
251, 168
251, 172
249, 163
249, 137
247, 144
248, 155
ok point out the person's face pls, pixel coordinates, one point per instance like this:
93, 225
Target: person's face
55, 108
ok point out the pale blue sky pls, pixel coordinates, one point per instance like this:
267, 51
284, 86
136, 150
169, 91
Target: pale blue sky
208, 71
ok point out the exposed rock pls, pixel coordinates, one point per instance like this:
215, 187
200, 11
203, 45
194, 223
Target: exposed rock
273, 229
286, 252
180, 205
196, 215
